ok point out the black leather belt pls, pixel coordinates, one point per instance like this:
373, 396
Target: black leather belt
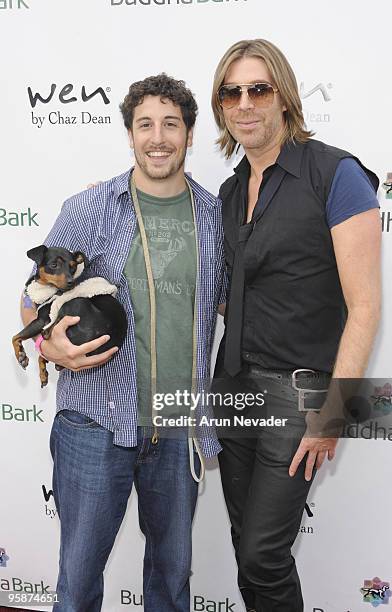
309, 387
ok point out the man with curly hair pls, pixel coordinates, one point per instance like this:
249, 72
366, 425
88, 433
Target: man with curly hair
157, 235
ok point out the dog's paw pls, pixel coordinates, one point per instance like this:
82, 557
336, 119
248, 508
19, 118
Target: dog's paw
44, 380
23, 360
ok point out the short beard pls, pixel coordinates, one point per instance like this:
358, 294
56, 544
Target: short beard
160, 173
263, 140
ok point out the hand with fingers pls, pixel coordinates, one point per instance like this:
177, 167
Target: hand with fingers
316, 445
90, 185
61, 351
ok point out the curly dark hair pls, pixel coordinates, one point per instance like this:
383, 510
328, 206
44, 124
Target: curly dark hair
167, 88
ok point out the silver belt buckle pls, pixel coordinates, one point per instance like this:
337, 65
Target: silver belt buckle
302, 392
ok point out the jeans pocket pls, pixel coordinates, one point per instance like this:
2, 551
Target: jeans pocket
76, 419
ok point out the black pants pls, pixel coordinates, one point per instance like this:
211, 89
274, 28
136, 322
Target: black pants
265, 504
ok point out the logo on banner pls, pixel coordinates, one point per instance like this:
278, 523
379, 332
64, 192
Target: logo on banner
320, 93
382, 398
164, 2
327, 610
21, 586
127, 598
50, 509
3, 557
25, 218
200, 603
308, 510
13, 4
323, 89
376, 592
25, 415
388, 186
386, 216
65, 95
308, 529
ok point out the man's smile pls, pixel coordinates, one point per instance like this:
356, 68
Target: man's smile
158, 158
158, 153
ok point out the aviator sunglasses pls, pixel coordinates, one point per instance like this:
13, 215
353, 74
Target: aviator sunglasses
260, 94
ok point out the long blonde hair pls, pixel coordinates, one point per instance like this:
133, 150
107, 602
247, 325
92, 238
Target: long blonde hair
283, 78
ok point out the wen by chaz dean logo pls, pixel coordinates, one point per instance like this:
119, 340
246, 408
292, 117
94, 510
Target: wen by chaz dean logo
308, 528
66, 95
320, 93
376, 592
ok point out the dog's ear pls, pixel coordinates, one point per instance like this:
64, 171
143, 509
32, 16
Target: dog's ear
80, 257
37, 254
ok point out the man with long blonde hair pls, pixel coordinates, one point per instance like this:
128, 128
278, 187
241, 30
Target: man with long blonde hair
302, 244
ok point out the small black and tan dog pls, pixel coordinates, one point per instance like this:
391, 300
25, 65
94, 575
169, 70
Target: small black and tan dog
56, 291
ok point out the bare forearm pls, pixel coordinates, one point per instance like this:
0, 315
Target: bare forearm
351, 363
357, 341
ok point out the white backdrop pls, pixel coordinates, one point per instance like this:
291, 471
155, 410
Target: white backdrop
341, 56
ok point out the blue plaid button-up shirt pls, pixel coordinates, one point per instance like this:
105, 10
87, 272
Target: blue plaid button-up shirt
101, 222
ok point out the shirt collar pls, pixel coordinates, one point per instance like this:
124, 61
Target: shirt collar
290, 158
121, 184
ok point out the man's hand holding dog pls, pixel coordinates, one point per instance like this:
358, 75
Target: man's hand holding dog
61, 351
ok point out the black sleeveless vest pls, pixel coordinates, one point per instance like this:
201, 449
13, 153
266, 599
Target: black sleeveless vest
294, 310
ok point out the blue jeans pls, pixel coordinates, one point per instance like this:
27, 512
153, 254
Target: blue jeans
92, 480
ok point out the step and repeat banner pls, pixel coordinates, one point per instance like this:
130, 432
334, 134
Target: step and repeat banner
65, 67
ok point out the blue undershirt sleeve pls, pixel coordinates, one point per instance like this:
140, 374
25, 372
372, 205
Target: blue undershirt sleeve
351, 193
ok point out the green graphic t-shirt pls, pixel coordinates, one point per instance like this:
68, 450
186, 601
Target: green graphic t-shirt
171, 241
